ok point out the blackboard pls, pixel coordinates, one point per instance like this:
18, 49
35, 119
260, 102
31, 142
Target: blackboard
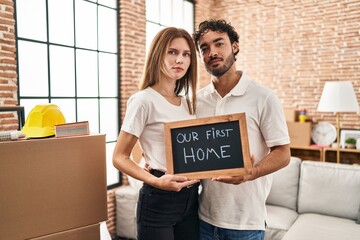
208, 147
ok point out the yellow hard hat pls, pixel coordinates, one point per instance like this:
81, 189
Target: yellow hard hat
41, 121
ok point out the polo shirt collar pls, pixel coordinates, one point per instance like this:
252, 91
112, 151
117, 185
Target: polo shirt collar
239, 89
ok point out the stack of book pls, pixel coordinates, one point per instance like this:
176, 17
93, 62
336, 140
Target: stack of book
72, 129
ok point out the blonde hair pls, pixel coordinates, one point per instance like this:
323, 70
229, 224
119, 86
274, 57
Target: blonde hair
154, 67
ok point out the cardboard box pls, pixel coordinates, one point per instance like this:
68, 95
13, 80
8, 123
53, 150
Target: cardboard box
51, 185
290, 114
300, 133
91, 232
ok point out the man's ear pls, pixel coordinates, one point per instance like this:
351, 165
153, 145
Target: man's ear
235, 48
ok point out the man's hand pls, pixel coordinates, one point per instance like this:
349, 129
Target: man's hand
236, 180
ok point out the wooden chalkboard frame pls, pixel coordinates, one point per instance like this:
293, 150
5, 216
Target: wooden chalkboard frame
239, 117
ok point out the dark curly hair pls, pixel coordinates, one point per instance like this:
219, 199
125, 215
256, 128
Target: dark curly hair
217, 26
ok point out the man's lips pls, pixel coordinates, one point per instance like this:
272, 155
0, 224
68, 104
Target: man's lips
214, 61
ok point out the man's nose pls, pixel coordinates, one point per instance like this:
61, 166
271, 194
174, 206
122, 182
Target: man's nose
213, 54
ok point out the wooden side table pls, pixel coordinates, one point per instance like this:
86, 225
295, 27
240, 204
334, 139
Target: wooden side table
314, 153
347, 156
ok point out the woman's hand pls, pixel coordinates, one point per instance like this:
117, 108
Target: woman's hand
171, 182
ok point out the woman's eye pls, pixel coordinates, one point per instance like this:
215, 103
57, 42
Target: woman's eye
172, 52
187, 54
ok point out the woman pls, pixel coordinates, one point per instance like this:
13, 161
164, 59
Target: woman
167, 205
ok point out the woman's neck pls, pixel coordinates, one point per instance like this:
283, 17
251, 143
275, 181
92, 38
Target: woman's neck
166, 90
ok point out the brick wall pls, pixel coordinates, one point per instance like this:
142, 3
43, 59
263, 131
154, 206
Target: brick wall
294, 47
132, 47
290, 46
8, 81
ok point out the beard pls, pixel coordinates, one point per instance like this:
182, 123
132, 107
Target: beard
230, 60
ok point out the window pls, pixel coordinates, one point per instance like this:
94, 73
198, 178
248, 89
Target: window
165, 13
67, 55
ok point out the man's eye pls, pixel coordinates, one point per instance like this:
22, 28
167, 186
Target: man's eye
219, 44
204, 50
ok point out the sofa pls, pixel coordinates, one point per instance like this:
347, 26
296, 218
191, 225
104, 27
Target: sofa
308, 200
312, 200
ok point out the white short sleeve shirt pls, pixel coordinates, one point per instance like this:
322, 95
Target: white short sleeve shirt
146, 113
242, 206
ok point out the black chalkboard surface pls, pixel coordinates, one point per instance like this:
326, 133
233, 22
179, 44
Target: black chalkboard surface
208, 147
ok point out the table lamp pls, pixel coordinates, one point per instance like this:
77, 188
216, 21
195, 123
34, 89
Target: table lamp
338, 97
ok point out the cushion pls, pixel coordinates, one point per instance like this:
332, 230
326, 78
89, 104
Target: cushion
280, 217
126, 201
284, 189
311, 226
274, 234
330, 189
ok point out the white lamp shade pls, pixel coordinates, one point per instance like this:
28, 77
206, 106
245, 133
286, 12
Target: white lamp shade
338, 97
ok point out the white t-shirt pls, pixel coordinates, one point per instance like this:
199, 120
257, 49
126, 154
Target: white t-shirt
146, 112
242, 206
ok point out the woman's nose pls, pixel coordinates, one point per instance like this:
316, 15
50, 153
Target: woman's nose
179, 60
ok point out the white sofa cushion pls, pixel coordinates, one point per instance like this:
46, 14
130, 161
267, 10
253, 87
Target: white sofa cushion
330, 189
280, 217
126, 202
284, 189
311, 226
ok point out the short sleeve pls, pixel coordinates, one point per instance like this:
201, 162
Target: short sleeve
135, 116
273, 124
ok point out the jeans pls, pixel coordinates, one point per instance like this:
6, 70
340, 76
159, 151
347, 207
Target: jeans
167, 215
210, 232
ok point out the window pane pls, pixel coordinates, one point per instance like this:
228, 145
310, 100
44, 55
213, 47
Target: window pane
33, 71
189, 19
53, 70
61, 29
109, 3
151, 30
86, 25
29, 104
165, 13
88, 110
62, 73
152, 10
107, 30
108, 75
108, 118
67, 107
111, 172
31, 19
86, 73
177, 13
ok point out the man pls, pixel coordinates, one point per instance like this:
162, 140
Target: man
234, 207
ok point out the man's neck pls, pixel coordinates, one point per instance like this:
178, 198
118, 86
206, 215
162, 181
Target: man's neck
225, 83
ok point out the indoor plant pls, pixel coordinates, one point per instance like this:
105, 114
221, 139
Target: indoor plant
350, 143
